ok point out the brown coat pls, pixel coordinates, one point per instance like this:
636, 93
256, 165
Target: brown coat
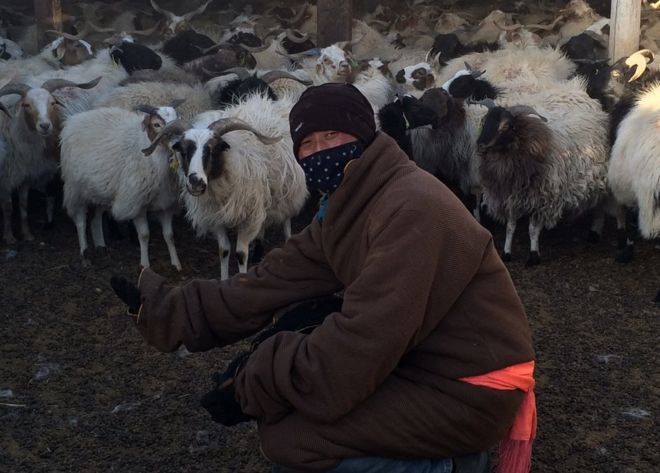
427, 300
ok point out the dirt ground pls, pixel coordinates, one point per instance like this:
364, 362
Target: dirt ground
81, 392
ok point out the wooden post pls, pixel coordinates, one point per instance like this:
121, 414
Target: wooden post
625, 21
334, 21
48, 14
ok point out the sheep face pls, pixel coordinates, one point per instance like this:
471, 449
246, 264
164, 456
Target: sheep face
418, 76
439, 102
629, 72
40, 111
497, 132
71, 52
154, 122
201, 153
334, 64
447, 46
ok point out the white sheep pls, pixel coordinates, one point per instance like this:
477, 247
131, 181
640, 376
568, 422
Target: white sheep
634, 170
103, 165
237, 177
30, 140
197, 98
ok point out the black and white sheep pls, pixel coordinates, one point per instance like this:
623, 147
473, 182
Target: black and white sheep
237, 177
548, 166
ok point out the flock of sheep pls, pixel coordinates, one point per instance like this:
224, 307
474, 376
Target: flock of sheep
139, 109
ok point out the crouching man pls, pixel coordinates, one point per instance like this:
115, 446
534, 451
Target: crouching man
427, 361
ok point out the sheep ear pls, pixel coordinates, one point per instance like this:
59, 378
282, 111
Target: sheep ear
59, 52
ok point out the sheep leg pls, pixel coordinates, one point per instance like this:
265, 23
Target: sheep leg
224, 246
165, 218
23, 192
7, 208
80, 219
477, 207
258, 252
287, 229
597, 226
142, 229
625, 236
245, 236
97, 227
534, 234
508, 242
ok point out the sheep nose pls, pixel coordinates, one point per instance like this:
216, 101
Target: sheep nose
196, 185
45, 127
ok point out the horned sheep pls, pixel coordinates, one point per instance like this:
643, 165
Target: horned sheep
546, 159
102, 165
28, 137
238, 171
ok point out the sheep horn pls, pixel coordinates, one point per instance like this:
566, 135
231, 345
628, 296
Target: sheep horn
176, 103
255, 49
173, 128
52, 85
549, 27
77, 37
525, 110
641, 59
488, 103
148, 109
15, 88
298, 16
507, 27
4, 109
273, 32
148, 32
595, 36
241, 72
295, 39
98, 29
188, 16
170, 16
226, 125
272, 76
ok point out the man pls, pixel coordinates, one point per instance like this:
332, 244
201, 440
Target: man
426, 362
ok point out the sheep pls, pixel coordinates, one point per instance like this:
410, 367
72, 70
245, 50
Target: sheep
236, 177
448, 149
27, 136
524, 70
549, 166
63, 50
336, 65
404, 114
197, 98
633, 171
9, 50
176, 23
102, 165
76, 101
233, 91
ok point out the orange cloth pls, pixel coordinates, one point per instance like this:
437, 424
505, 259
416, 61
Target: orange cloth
515, 452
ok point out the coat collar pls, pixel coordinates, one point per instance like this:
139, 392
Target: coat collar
364, 178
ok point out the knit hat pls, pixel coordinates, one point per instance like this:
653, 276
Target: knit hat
332, 106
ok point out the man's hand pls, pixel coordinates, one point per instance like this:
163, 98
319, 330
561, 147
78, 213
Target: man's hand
220, 402
127, 292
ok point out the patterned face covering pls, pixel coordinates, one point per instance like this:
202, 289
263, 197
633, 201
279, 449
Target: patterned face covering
324, 170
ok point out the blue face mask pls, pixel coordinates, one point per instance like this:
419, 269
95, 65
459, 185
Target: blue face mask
324, 170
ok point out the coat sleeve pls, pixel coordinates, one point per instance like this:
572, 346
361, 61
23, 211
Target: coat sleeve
204, 314
325, 374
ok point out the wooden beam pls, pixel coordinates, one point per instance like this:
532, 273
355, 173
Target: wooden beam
625, 21
48, 14
334, 21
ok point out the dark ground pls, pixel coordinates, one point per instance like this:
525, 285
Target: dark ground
88, 395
